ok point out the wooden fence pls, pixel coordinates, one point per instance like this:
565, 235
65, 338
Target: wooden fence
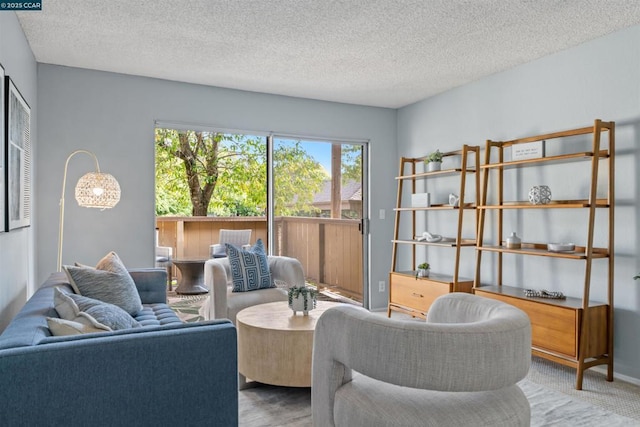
330, 250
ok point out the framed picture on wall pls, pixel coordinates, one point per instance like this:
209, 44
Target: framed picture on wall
3, 182
17, 157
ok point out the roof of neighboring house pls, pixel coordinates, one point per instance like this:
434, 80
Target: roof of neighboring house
350, 191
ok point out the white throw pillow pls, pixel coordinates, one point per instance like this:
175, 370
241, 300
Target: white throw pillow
63, 327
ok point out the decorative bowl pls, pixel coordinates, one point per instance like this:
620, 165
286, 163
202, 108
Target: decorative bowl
561, 247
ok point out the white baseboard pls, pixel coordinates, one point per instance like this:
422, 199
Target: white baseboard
617, 376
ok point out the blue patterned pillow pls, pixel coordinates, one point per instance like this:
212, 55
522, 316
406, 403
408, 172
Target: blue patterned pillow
249, 268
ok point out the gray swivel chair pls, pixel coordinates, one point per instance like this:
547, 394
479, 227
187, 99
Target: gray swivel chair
459, 368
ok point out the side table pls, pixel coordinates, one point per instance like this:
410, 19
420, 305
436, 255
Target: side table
191, 276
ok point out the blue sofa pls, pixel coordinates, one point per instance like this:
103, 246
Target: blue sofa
164, 373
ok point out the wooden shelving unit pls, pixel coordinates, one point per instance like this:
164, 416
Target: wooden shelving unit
407, 293
575, 332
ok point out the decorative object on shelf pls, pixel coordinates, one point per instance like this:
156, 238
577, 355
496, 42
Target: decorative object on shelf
93, 190
420, 200
428, 237
423, 270
543, 294
302, 299
513, 241
434, 161
540, 195
531, 150
561, 247
454, 200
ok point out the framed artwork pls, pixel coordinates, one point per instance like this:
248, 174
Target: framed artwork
3, 183
17, 158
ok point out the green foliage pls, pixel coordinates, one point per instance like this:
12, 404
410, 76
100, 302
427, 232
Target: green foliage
351, 163
297, 177
226, 175
424, 266
436, 156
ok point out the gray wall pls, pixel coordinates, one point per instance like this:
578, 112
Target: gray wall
113, 116
17, 247
599, 79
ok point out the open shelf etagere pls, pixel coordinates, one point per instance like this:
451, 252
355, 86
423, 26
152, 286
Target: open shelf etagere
407, 293
575, 332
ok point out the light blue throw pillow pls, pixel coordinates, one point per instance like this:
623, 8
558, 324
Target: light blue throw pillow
109, 282
249, 268
107, 314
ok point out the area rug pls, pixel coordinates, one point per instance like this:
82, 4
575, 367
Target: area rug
186, 306
549, 388
266, 406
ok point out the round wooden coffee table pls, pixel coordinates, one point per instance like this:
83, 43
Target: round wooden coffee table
275, 346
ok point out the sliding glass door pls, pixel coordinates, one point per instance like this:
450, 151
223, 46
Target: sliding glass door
304, 198
318, 214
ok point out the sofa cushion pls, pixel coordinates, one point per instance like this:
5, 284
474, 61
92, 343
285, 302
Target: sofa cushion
77, 307
62, 327
249, 268
109, 282
158, 314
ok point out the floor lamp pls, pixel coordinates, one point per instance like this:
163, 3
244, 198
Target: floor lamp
93, 190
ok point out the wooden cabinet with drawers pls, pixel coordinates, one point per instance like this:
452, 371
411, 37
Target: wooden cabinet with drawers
578, 331
410, 294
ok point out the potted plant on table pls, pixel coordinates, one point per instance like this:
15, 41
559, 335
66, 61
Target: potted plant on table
434, 161
423, 270
302, 299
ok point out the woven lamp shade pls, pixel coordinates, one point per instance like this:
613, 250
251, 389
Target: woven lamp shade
97, 190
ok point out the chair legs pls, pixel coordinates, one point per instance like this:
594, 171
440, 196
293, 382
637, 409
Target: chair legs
170, 277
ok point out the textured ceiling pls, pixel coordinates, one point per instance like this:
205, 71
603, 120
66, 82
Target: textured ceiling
386, 53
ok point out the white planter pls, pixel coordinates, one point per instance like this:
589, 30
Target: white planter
423, 272
304, 302
434, 166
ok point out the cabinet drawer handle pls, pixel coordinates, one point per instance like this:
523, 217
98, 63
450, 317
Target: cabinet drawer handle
417, 295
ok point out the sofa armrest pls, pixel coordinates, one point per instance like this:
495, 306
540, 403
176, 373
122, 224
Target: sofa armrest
216, 279
151, 284
125, 379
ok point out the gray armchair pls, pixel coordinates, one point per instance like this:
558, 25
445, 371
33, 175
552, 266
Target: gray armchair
164, 259
239, 238
460, 368
222, 303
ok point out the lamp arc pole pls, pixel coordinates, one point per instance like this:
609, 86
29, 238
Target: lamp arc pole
97, 181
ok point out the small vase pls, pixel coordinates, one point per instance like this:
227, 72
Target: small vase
513, 241
540, 195
422, 272
434, 166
